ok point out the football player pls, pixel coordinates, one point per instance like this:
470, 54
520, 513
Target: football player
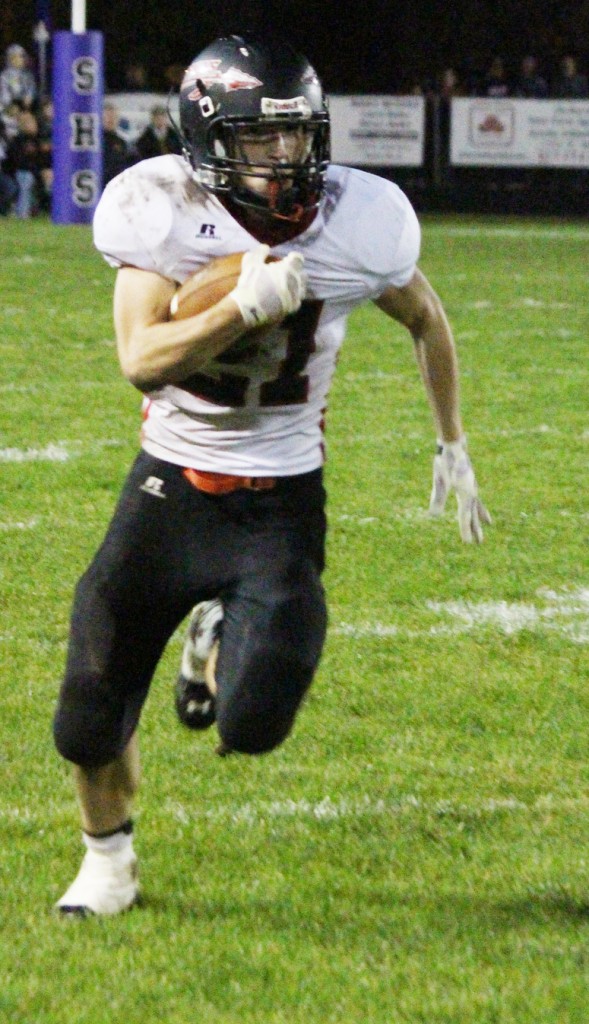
222, 514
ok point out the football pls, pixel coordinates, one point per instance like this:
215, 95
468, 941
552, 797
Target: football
208, 286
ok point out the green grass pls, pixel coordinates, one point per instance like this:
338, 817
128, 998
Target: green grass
418, 850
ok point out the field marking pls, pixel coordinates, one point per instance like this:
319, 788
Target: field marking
57, 452
425, 442
372, 375
27, 524
329, 809
418, 514
556, 234
565, 612
526, 302
326, 810
60, 451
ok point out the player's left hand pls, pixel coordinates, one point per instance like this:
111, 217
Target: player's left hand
453, 471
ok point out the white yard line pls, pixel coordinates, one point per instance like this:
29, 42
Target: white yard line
564, 233
565, 612
60, 451
422, 441
325, 810
57, 452
331, 809
11, 524
394, 515
419, 514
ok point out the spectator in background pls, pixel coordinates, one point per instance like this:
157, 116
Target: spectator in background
8, 186
159, 137
447, 87
46, 151
46, 118
135, 78
9, 116
25, 160
173, 75
495, 83
570, 84
17, 82
449, 84
530, 84
116, 152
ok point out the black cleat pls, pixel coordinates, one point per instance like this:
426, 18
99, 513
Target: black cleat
195, 704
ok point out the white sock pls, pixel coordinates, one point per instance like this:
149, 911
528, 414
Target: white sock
114, 843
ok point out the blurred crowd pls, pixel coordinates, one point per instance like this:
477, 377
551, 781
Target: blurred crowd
528, 80
26, 116
157, 138
26, 131
26, 174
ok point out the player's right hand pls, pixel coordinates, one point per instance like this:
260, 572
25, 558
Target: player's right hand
267, 292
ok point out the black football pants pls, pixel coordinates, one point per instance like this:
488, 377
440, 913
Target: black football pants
168, 547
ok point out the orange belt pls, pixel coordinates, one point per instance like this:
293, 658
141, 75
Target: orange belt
225, 483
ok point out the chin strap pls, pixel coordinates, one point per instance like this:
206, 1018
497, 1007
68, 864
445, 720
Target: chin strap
270, 204
275, 195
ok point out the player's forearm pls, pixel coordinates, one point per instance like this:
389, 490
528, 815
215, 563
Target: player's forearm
436, 356
168, 352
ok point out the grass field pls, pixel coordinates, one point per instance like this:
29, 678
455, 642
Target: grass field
418, 850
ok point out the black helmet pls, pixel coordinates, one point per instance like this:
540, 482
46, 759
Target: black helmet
239, 84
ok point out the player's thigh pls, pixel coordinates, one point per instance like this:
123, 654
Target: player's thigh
126, 606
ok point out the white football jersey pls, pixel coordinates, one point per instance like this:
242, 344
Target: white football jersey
258, 408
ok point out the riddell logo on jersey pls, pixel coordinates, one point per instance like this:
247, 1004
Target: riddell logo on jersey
154, 486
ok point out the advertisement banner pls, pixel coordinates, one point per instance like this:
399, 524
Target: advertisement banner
385, 131
519, 133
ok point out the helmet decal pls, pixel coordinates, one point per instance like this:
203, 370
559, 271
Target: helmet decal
207, 72
296, 105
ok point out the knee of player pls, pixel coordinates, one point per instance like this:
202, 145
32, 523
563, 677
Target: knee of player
86, 731
254, 735
259, 715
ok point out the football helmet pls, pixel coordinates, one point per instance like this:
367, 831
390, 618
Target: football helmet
237, 91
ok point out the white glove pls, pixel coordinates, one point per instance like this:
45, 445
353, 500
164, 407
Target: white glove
267, 292
452, 469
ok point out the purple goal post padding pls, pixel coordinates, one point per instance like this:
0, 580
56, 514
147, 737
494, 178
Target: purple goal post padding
78, 90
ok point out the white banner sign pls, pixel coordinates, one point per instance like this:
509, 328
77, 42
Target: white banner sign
386, 131
520, 133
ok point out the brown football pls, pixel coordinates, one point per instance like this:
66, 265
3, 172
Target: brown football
208, 286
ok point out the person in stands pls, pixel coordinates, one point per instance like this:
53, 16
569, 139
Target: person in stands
158, 138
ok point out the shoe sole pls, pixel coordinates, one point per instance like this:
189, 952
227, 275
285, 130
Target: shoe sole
81, 913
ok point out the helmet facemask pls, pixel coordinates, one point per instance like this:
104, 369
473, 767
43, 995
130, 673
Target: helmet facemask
239, 153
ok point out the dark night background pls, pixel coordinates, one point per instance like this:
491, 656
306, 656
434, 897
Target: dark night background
365, 46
